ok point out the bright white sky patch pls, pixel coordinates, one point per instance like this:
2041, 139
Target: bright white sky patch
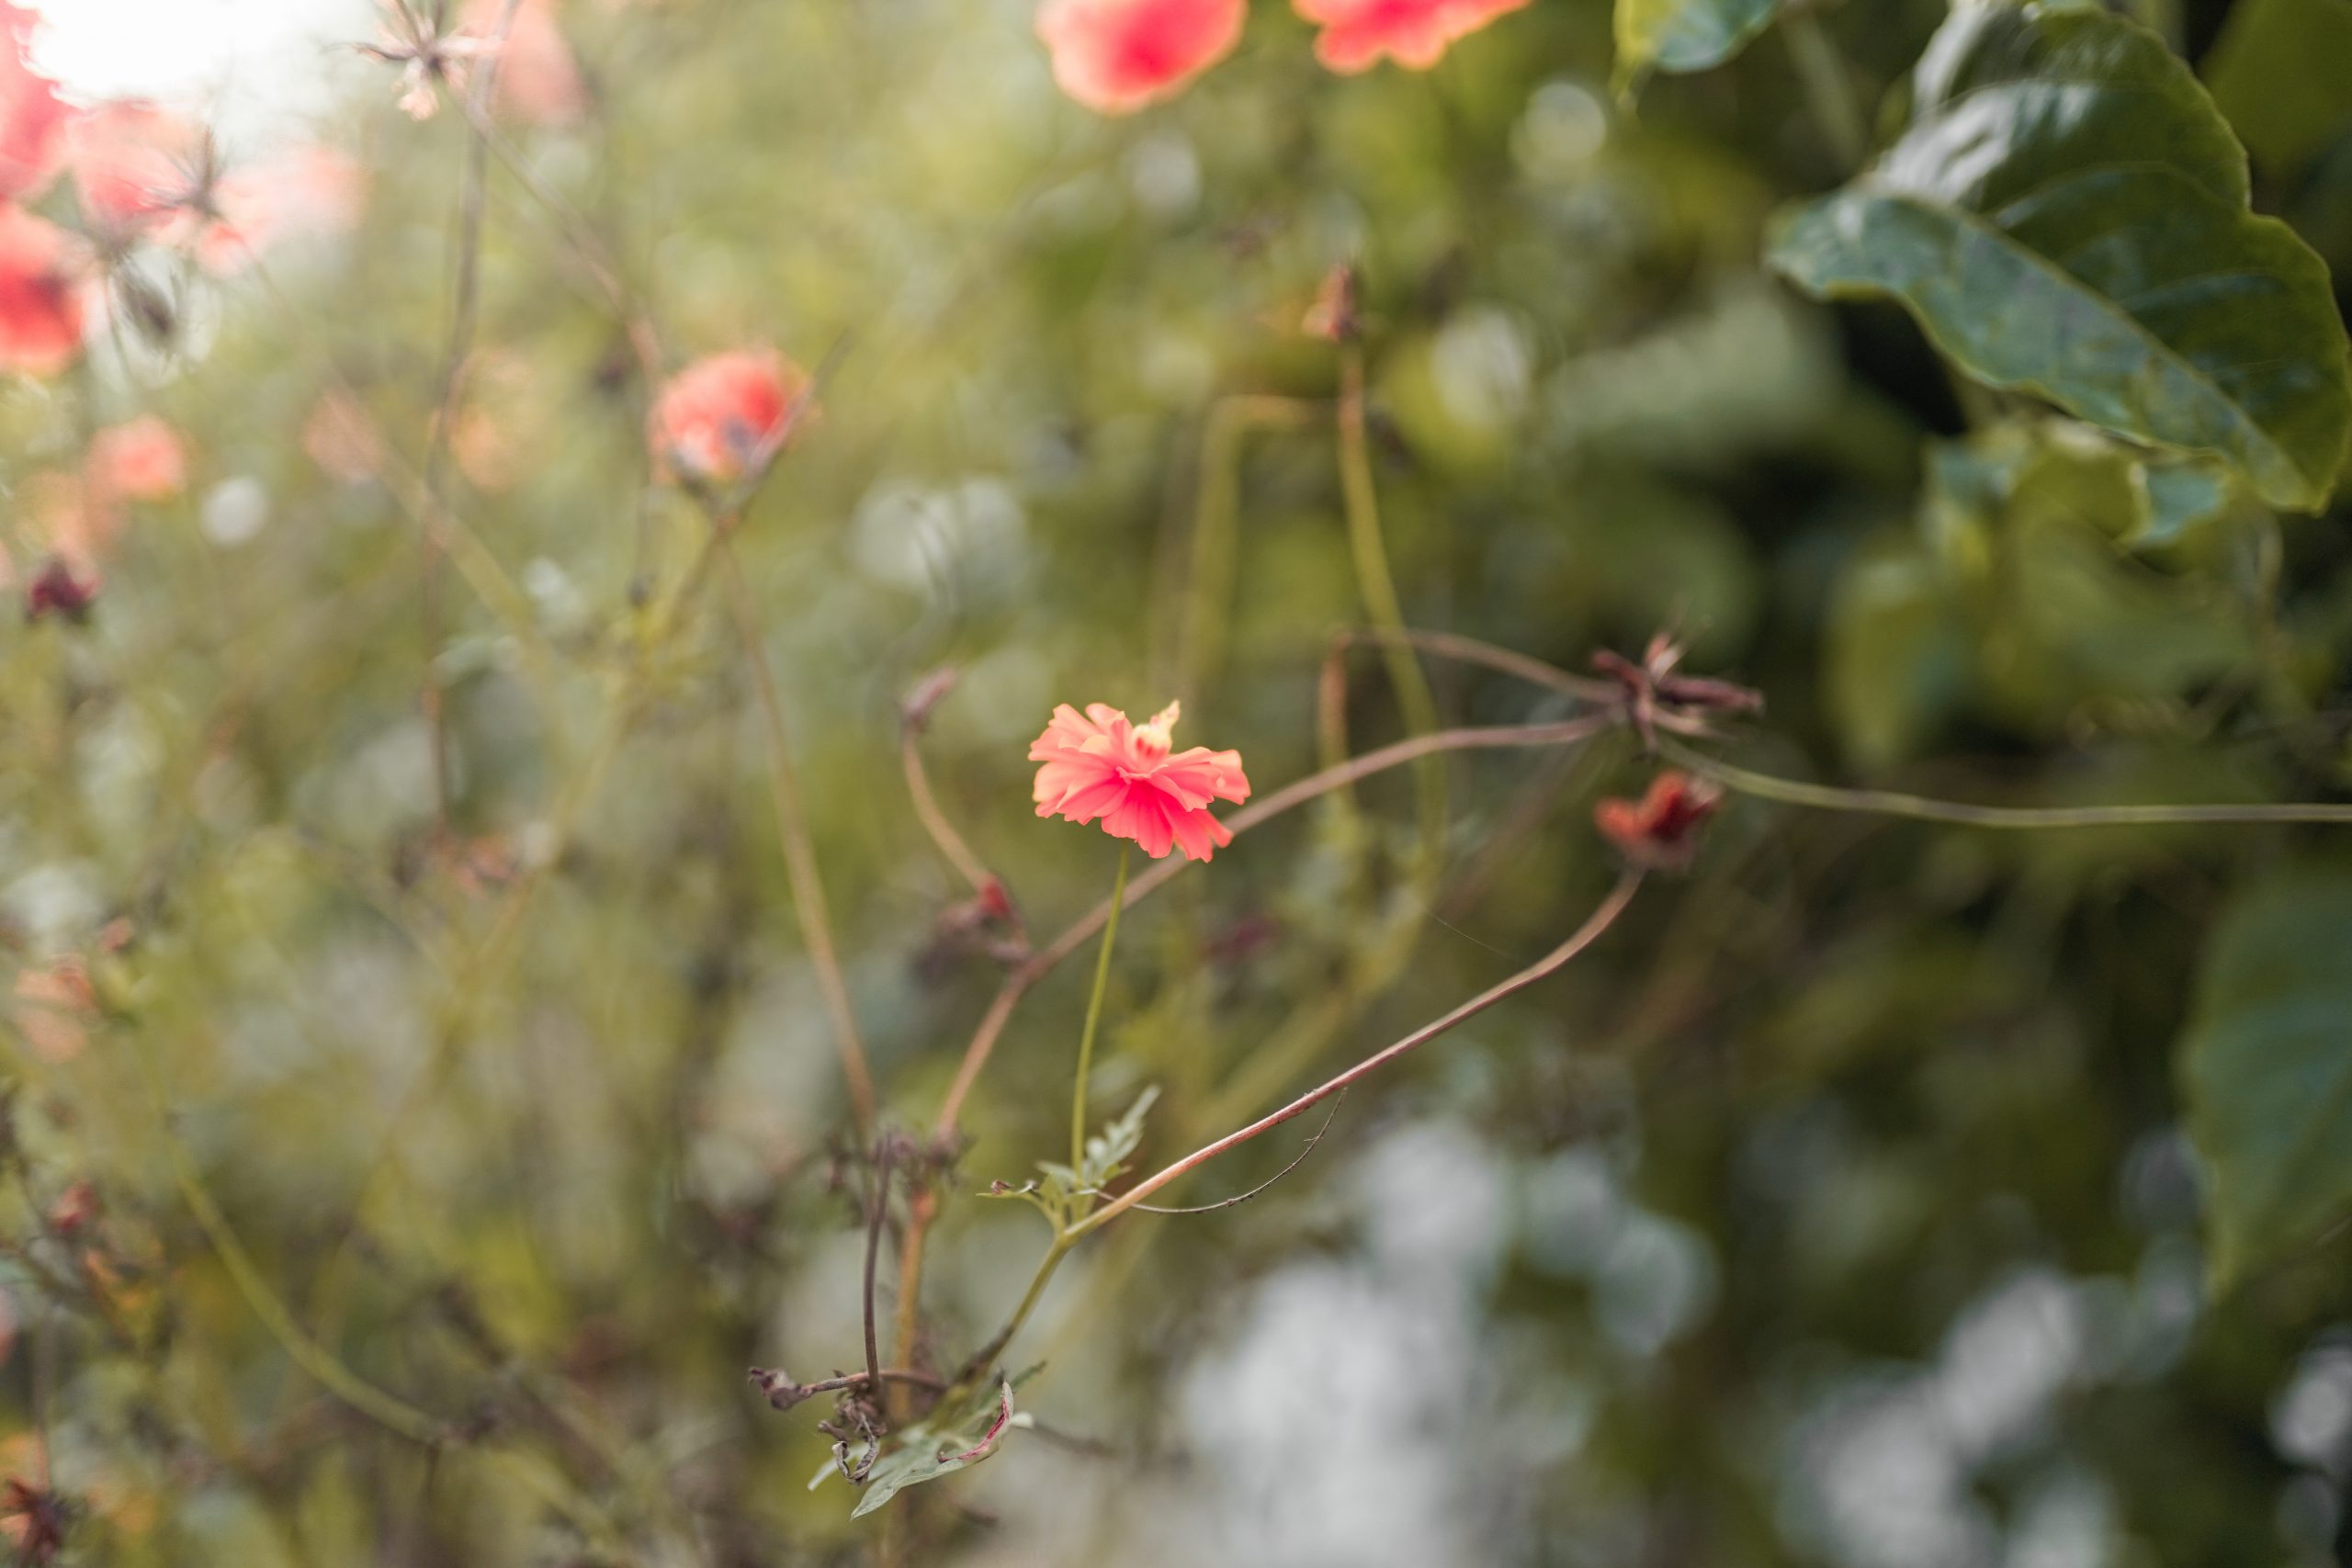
244, 61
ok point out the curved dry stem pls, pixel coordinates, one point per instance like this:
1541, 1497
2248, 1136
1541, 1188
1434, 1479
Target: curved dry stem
1925, 809
1585, 935
1239, 1198
941, 832
1471, 650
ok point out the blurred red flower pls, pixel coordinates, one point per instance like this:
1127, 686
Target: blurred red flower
1115, 56
32, 120
42, 272
142, 459
1414, 33
1097, 764
726, 415
1660, 830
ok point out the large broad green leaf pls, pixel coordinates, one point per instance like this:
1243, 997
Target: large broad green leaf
1684, 35
2066, 215
2267, 1068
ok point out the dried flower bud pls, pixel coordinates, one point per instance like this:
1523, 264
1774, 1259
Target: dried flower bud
914, 709
56, 590
1334, 317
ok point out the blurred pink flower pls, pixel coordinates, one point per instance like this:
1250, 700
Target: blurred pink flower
55, 1001
1414, 33
307, 190
725, 415
43, 270
1097, 764
134, 163
69, 513
32, 120
539, 77
1115, 56
142, 459
341, 438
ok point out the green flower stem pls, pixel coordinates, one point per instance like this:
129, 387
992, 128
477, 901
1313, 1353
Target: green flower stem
1378, 587
1093, 1017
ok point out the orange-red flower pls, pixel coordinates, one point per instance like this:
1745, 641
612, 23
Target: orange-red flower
1097, 764
1115, 56
726, 415
1414, 33
139, 460
41, 272
32, 120
1659, 831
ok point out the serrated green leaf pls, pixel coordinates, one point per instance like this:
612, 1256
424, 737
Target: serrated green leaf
1684, 35
2066, 215
2266, 1068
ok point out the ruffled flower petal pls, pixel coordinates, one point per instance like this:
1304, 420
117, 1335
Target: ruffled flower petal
1099, 767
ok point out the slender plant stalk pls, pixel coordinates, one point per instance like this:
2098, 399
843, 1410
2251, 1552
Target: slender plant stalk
1094, 1012
464, 296
1924, 808
873, 1248
1378, 588
984, 1357
393, 1414
1216, 523
1828, 86
473, 559
809, 906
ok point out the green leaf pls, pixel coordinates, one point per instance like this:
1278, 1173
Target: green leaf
928, 1455
1898, 663
2282, 71
1107, 1152
2066, 215
2266, 1068
1684, 35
